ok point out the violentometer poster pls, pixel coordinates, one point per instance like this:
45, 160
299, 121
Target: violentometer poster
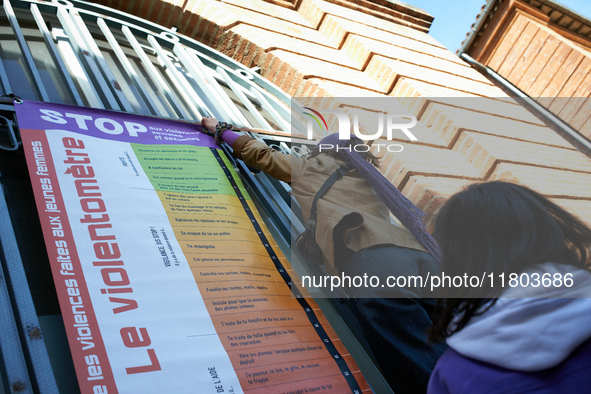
167, 278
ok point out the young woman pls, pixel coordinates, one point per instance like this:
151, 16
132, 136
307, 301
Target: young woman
356, 236
532, 331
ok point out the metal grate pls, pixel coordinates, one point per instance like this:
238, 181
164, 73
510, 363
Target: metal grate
62, 52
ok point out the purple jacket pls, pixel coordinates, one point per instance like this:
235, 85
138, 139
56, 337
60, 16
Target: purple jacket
455, 373
532, 340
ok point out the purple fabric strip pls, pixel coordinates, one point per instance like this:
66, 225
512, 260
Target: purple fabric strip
229, 137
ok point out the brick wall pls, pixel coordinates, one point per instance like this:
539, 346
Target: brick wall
334, 48
545, 51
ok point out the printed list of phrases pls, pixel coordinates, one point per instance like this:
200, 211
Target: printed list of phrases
264, 329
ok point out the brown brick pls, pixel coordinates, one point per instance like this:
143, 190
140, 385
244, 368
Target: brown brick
462, 119
241, 50
379, 71
285, 80
269, 10
144, 9
550, 182
264, 62
573, 106
374, 22
313, 90
222, 37
424, 60
210, 31
425, 160
580, 208
553, 66
333, 30
534, 38
415, 191
273, 68
230, 42
425, 89
258, 57
294, 84
523, 47
504, 108
311, 68
432, 76
430, 193
194, 26
585, 129
302, 90
252, 18
437, 186
195, 20
272, 41
311, 12
581, 116
248, 53
510, 37
162, 16
186, 21
532, 73
356, 51
223, 40
282, 73
416, 97
459, 142
175, 16
486, 151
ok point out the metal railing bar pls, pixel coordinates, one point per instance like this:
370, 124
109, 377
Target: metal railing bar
28, 321
161, 85
184, 88
212, 63
148, 27
280, 202
6, 89
237, 89
26, 52
285, 126
212, 60
91, 69
99, 59
15, 366
130, 70
219, 108
93, 11
209, 85
55, 55
64, 46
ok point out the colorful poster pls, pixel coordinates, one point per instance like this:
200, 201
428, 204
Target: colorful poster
167, 277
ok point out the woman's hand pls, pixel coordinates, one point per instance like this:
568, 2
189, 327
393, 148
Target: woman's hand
212, 127
209, 124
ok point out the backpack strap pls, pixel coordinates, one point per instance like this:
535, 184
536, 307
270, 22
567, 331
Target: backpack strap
335, 176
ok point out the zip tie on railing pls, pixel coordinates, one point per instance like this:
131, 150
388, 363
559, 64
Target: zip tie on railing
15, 143
16, 99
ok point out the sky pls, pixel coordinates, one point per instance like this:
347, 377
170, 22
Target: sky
453, 18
